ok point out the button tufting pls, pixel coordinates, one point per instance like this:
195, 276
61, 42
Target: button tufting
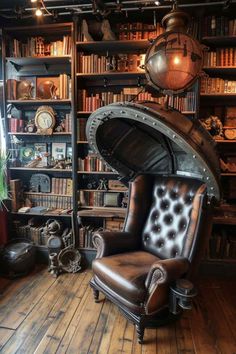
168, 219
171, 234
155, 215
178, 209
165, 204
156, 228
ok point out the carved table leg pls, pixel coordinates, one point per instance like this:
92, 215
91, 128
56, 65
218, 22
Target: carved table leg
140, 332
96, 295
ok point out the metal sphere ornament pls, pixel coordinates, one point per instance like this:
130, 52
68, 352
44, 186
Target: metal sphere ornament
174, 60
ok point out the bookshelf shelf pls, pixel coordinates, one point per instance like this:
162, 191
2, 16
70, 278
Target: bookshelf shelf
97, 172
219, 40
230, 174
39, 102
48, 60
84, 113
48, 194
103, 213
82, 142
223, 141
104, 190
224, 220
36, 134
124, 46
46, 214
221, 70
217, 95
117, 75
40, 169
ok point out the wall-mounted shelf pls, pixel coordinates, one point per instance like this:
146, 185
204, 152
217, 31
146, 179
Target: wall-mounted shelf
39, 102
220, 40
119, 46
41, 169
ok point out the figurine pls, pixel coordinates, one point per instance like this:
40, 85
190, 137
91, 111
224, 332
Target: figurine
214, 126
108, 35
85, 32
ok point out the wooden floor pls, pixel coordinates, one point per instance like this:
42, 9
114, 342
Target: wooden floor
41, 314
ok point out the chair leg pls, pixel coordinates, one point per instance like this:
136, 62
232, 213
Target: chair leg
96, 295
140, 332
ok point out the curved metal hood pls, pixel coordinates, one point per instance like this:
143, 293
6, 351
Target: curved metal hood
145, 137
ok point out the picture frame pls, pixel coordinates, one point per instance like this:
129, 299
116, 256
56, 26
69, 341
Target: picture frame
58, 151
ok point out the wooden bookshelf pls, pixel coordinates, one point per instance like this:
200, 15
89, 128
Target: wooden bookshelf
39, 102
220, 70
115, 75
219, 40
113, 47
48, 60
102, 212
40, 169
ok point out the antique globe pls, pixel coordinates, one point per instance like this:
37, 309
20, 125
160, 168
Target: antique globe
174, 60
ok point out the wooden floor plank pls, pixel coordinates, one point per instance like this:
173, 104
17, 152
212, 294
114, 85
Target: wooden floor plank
100, 329
128, 338
50, 334
62, 318
86, 326
5, 335
184, 340
108, 329
15, 308
220, 329
29, 328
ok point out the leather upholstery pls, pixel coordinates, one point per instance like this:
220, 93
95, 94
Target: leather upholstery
166, 217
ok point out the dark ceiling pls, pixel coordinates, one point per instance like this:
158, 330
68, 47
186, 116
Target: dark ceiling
11, 10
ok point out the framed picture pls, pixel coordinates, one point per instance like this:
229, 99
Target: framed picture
59, 151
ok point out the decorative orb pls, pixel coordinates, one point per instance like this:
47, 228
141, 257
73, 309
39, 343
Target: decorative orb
173, 61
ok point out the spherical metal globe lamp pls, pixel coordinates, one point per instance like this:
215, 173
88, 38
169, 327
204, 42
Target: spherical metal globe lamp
174, 60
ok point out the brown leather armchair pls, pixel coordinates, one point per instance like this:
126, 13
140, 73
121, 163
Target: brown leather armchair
138, 267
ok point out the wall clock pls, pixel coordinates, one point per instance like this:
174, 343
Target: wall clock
45, 120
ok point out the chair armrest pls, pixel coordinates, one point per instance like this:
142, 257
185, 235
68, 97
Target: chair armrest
157, 282
166, 271
108, 243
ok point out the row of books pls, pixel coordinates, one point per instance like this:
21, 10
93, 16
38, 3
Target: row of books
62, 186
86, 236
50, 201
91, 198
81, 129
218, 26
186, 103
113, 224
16, 125
38, 47
99, 64
138, 30
67, 123
220, 57
64, 87
217, 85
91, 103
222, 246
92, 163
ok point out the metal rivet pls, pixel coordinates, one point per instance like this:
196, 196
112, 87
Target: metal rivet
207, 178
204, 170
153, 123
173, 136
194, 156
144, 118
122, 112
136, 115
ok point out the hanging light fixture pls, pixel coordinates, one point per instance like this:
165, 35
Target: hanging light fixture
174, 60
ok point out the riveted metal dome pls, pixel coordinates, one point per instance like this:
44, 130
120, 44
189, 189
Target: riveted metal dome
145, 137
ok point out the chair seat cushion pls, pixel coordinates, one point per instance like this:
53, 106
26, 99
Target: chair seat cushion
125, 274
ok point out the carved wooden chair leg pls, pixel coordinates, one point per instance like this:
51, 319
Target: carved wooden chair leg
140, 332
96, 295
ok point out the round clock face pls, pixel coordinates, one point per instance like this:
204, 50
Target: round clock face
44, 120
28, 152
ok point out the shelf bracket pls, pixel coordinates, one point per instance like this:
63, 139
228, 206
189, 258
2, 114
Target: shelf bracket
16, 66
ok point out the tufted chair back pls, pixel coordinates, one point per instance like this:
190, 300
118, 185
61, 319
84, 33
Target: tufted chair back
169, 230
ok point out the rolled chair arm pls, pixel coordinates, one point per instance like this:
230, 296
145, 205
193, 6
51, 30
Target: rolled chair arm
108, 243
161, 274
166, 271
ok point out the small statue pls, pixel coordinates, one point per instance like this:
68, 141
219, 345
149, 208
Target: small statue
85, 32
108, 35
214, 126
